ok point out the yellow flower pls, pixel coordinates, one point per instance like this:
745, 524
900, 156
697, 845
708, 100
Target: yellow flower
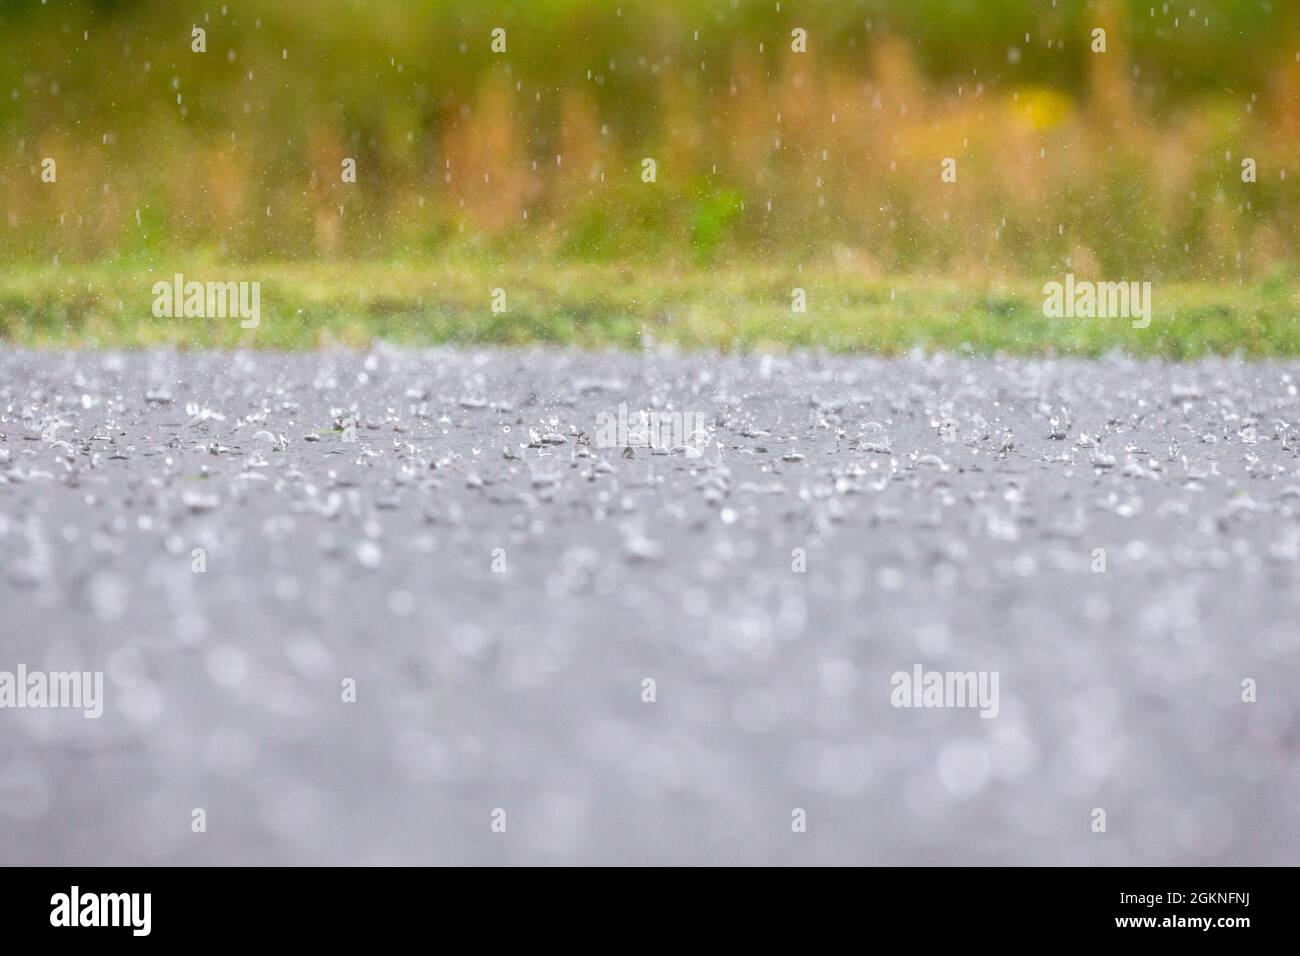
1042, 107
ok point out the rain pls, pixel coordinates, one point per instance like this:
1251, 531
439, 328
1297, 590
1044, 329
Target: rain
679, 433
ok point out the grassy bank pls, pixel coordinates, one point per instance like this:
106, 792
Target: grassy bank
593, 305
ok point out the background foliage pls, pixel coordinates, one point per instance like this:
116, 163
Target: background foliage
1125, 163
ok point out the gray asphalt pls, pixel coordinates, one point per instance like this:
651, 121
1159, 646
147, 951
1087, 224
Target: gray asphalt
951, 513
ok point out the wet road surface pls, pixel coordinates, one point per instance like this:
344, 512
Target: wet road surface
406, 606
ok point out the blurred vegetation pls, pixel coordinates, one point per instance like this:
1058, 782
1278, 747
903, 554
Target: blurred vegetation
1123, 164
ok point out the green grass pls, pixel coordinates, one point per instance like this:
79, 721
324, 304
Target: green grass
589, 305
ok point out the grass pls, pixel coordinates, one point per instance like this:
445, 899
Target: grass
593, 305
